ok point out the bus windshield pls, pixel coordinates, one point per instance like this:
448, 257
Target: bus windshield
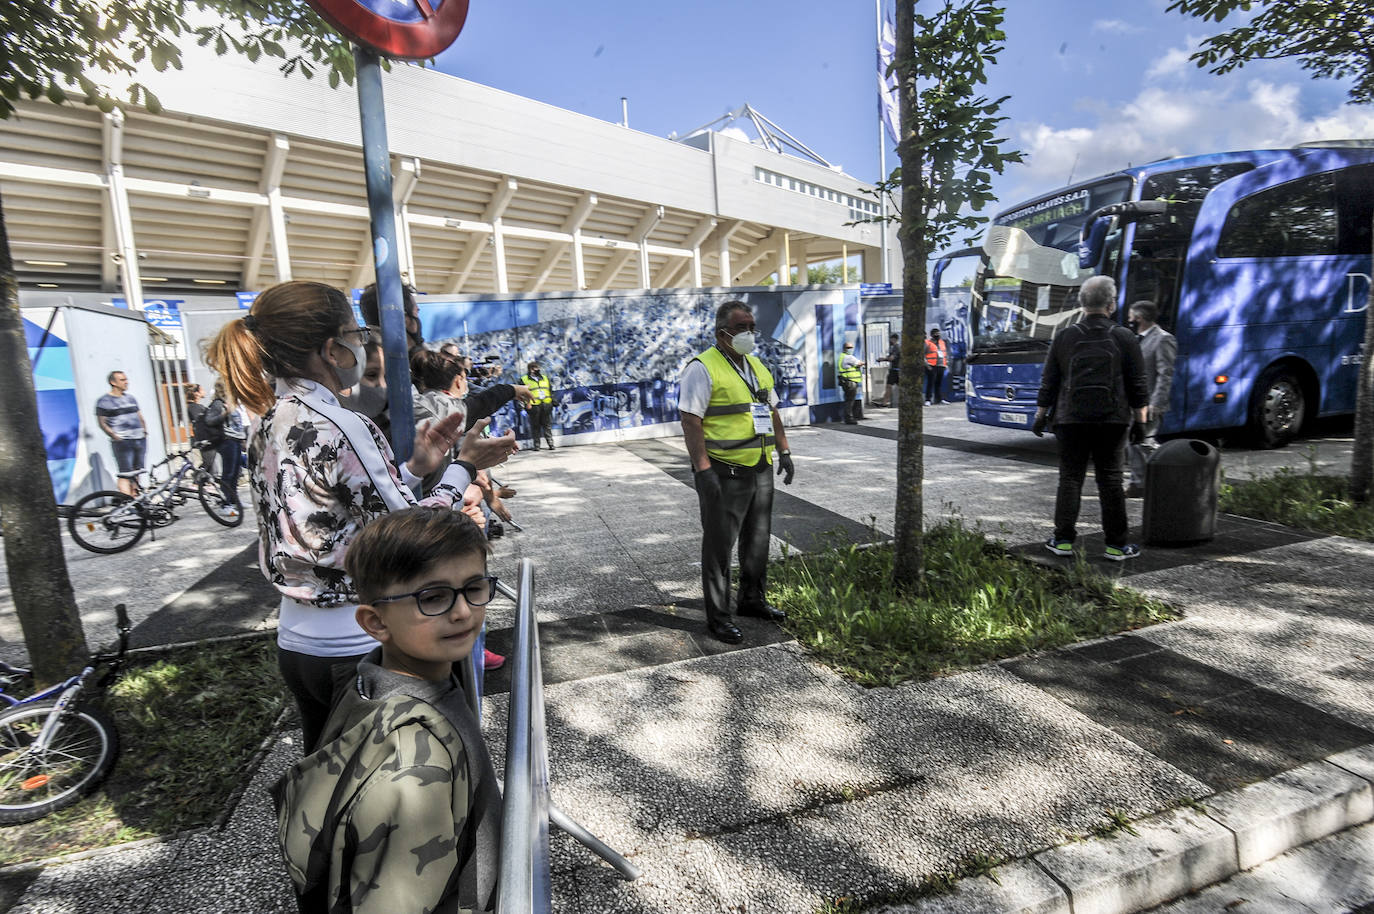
1027, 285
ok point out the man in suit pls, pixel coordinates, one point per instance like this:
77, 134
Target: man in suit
1160, 349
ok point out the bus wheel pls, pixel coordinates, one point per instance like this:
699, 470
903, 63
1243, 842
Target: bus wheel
1278, 408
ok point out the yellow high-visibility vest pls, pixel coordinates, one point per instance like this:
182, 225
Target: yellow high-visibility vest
852, 373
729, 422
541, 388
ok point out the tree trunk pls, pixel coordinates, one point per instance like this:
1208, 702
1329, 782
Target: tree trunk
1362, 456
909, 524
42, 592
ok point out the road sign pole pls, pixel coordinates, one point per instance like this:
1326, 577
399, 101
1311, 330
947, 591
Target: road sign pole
391, 306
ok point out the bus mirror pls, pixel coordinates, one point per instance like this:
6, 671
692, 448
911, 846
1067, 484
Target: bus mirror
1148, 207
1090, 241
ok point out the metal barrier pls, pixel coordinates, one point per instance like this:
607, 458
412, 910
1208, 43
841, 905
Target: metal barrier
524, 886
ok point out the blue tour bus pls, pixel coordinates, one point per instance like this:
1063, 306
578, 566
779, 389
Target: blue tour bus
1259, 262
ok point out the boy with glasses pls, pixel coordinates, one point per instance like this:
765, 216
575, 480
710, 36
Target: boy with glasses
398, 810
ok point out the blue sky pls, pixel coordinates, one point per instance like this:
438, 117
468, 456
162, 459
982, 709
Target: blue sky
1093, 85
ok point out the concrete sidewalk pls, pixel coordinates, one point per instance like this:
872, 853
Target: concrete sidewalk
750, 778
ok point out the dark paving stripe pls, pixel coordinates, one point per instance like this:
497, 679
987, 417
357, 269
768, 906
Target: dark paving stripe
627, 639
981, 448
796, 521
1236, 535
232, 599
1219, 728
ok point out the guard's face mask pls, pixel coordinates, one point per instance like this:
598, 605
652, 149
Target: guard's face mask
744, 343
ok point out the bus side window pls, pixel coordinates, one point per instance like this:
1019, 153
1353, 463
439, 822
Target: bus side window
1291, 220
1354, 209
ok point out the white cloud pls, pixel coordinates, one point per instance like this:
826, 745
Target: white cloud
1162, 122
1175, 63
1118, 26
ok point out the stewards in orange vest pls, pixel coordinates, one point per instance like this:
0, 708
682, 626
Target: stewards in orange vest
937, 360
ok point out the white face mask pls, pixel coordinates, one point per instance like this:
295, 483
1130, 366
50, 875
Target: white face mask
349, 377
744, 343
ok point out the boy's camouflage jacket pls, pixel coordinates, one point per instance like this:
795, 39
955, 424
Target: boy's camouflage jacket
377, 820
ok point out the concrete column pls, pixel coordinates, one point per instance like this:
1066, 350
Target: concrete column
784, 277
121, 215
579, 263
873, 264
726, 277
498, 242
799, 261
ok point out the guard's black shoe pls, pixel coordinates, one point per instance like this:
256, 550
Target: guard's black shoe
762, 611
725, 631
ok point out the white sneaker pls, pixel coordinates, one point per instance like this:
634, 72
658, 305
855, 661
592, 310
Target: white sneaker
231, 511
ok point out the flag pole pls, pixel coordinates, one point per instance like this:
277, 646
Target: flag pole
882, 139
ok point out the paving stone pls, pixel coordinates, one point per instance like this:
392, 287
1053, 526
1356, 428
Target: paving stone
1172, 854
1291, 808
1021, 887
1358, 761
1324, 877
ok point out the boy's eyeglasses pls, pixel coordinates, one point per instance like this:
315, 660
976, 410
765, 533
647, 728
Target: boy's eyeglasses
364, 334
439, 598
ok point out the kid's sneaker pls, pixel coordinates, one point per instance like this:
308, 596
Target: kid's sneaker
1121, 553
1059, 547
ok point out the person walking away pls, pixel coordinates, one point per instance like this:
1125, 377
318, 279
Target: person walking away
731, 425
894, 365
937, 360
1160, 350
399, 810
1094, 380
121, 419
851, 376
541, 406
232, 421
321, 472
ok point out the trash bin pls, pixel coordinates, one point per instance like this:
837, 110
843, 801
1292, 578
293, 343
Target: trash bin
1181, 493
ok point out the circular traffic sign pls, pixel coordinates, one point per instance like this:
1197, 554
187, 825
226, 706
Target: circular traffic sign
407, 29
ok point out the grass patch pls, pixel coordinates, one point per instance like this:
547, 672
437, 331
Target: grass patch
189, 724
981, 603
1309, 501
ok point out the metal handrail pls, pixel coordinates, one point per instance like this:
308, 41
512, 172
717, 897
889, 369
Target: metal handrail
523, 883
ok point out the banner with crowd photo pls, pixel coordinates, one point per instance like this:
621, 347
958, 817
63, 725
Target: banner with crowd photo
950, 312
614, 358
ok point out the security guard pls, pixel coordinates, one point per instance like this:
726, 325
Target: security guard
541, 407
851, 377
731, 425
937, 360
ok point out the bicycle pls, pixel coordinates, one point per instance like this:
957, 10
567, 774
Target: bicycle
55, 745
108, 522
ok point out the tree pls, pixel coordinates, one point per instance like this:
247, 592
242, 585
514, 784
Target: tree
948, 150
60, 49
1331, 39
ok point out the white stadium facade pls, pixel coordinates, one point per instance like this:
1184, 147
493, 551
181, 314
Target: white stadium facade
248, 178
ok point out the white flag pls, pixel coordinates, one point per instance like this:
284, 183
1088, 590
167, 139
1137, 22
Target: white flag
887, 85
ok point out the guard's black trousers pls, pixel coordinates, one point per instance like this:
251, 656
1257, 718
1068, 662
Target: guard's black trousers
744, 513
541, 423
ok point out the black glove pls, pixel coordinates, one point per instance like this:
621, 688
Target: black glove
785, 466
708, 483
1038, 426
1137, 433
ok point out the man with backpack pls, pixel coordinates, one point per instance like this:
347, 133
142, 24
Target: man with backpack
1094, 385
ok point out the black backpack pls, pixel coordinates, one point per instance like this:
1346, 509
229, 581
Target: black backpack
205, 432
1095, 376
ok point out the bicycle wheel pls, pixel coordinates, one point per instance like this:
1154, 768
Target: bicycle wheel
213, 502
106, 522
34, 784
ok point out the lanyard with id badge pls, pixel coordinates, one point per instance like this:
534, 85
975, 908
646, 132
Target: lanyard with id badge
759, 409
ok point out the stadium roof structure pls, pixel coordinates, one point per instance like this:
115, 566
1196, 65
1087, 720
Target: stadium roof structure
248, 177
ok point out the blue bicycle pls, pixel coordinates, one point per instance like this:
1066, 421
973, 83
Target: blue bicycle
55, 745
